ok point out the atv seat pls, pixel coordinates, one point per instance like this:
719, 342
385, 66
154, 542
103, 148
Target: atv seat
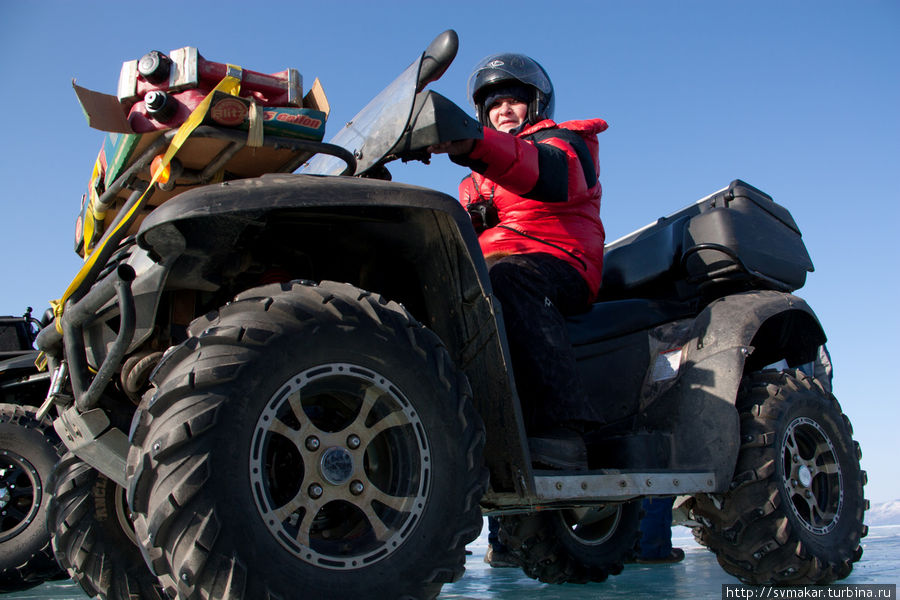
616, 318
649, 261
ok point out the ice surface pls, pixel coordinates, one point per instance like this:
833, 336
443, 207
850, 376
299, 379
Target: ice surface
699, 576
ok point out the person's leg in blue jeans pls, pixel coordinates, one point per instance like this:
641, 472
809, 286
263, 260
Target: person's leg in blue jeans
497, 554
656, 532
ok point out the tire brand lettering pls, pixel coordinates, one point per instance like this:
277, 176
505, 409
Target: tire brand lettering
99, 493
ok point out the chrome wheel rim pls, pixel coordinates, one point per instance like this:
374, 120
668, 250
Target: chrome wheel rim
340, 466
812, 476
592, 526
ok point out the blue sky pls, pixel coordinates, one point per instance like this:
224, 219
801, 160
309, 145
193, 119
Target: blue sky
799, 98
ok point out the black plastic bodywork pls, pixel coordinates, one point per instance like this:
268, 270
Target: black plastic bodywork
712, 280
20, 381
734, 240
436, 119
417, 246
410, 244
16, 336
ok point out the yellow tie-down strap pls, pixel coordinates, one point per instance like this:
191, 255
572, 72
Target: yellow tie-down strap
94, 214
230, 84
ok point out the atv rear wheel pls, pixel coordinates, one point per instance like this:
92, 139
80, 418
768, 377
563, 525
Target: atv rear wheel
307, 437
93, 537
28, 452
794, 514
573, 545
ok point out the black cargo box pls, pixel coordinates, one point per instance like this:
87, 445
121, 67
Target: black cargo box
14, 338
737, 238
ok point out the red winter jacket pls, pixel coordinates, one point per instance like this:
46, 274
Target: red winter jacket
543, 182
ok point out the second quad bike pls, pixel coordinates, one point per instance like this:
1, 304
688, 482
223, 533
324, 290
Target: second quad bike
302, 380
29, 451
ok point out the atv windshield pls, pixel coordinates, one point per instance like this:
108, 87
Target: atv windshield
372, 133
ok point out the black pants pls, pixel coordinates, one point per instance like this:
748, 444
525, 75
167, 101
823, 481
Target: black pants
536, 291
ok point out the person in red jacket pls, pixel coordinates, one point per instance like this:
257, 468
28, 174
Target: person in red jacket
534, 198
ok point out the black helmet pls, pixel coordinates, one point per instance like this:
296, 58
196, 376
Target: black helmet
505, 70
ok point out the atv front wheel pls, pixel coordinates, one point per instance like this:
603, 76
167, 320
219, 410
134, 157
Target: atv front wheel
573, 545
93, 537
794, 514
307, 440
28, 453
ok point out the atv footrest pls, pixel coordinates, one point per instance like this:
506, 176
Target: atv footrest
553, 486
89, 436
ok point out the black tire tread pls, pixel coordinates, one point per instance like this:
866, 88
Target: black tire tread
535, 544
97, 556
748, 529
169, 445
40, 564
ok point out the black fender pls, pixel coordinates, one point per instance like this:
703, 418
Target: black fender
409, 244
732, 336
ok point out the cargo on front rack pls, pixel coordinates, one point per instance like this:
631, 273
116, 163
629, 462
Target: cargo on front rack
260, 125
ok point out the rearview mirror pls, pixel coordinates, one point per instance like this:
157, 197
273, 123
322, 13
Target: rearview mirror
437, 57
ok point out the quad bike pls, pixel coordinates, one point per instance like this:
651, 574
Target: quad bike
303, 380
29, 450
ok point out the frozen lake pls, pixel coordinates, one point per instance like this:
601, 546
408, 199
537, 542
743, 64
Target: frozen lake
698, 576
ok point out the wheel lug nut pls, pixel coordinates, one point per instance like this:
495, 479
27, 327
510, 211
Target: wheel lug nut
795, 458
353, 442
315, 491
312, 443
357, 488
